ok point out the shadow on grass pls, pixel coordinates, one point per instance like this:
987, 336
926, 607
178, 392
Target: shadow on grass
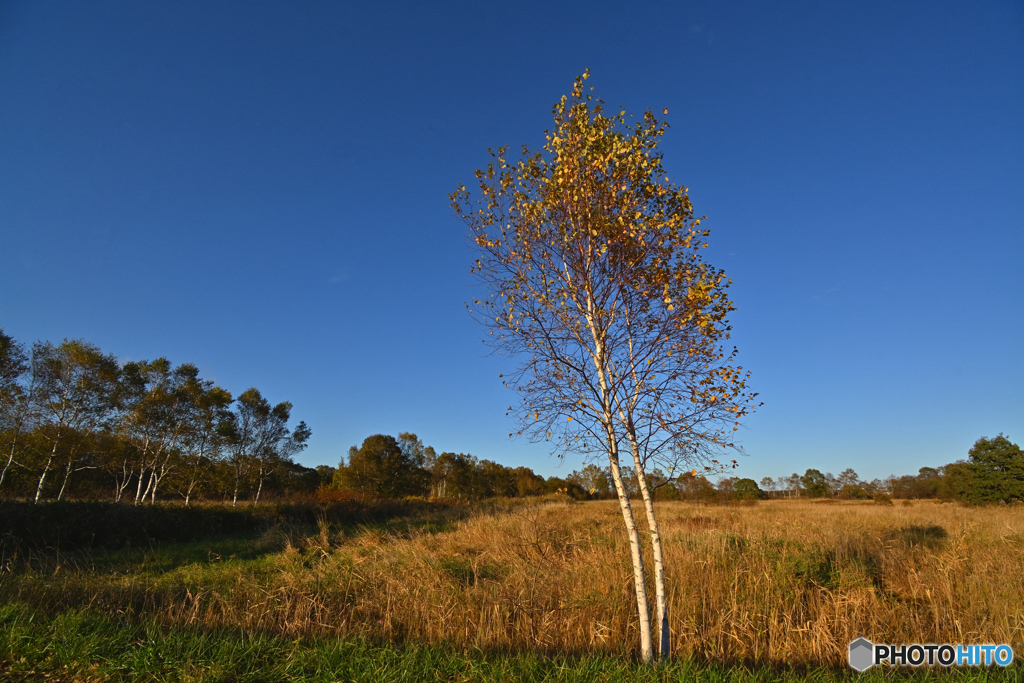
110, 537
931, 537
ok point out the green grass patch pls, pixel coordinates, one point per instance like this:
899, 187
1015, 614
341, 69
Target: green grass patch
79, 646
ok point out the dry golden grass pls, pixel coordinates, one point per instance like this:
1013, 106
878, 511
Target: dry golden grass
782, 581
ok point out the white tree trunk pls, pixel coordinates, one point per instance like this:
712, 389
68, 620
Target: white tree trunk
639, 576
138, 488
46, 469
42, 478
121, 484
158, 476
259, 489
10, 455
149, 485
67, 476
664, 633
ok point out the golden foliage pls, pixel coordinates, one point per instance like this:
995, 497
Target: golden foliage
591, 259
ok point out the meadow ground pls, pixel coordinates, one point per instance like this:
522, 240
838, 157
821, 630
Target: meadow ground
773, 591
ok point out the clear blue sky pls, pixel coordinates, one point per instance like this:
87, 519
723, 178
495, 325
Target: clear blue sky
261, 189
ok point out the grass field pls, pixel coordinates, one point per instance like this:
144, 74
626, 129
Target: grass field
774, 591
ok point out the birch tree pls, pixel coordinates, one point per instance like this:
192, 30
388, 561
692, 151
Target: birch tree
15, 397
259, 440
75, 397
158, 407
591, 263
204, 437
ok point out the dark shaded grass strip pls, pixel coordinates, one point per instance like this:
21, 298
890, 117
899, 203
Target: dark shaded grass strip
79, 646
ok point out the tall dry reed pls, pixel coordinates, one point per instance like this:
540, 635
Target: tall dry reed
779, 582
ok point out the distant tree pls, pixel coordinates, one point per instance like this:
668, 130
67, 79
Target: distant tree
832, 484
71, 408
157, 401
120, 457
767, 485
997, 471
696, 488
205, 436
594, 480
13, 364
413, 448
454, 475
925, 484
75, 395
528, 483
815, 484
747, 489
853, 492
848, 478
957, 481
14, 397
259, 440
280, 446
794, 484
380, 468
661, 485
495, 480
291, 478
726, 488
325, 474
928, 482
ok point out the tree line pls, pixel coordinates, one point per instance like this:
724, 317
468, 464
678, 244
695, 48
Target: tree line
395, 467
74, 422
389, 467
992, 473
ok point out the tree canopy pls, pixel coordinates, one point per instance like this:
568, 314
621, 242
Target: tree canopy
996, 471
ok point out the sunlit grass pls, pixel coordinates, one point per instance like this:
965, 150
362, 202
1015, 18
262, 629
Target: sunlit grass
781, 584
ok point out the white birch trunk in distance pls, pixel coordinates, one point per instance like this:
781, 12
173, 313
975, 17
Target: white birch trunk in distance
149, 485
24, 406
158, 475
193, 482
10, 455
138, 488
259, 490
67, 476
46, 470
121, 482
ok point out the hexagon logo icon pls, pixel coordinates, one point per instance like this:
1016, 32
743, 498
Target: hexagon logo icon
862, 653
